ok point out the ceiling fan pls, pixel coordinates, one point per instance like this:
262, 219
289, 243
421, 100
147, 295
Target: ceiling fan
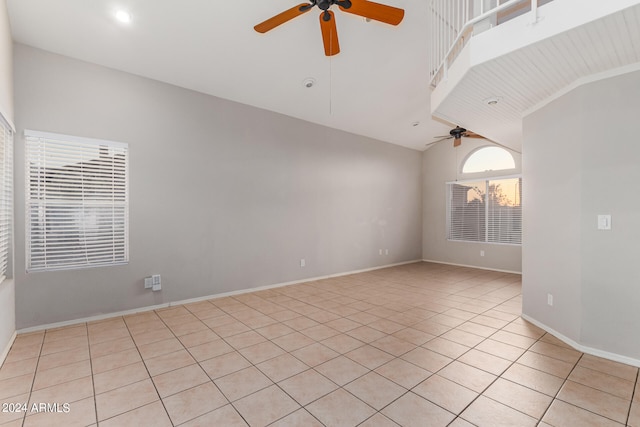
458, 133
368, 9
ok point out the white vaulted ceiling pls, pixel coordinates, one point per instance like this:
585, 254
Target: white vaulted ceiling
377, 86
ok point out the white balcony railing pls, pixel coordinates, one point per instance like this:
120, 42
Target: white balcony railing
453, 22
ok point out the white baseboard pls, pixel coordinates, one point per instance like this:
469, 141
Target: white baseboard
585, 349
198, 299
5, 352
473, 266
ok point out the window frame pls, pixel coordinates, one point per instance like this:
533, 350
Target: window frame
47, 265
486, 180
6, 199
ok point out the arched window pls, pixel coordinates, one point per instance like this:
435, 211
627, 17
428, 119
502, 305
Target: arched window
488, 159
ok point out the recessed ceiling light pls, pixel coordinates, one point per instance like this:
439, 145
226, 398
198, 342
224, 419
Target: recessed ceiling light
123, 16
414, 124
493, 100
308, 82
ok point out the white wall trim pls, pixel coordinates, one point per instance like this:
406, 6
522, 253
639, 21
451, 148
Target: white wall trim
5, 352
583, 81
198, 299
473, 266
583, 348
6, 118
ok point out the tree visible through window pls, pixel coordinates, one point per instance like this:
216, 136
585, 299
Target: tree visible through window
485, 211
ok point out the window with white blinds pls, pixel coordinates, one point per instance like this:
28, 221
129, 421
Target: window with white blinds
485, 211
77, 202
6, 195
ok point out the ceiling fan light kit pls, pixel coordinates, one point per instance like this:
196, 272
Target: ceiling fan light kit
367, 9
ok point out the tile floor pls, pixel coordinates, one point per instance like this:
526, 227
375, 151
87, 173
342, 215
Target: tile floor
416, 345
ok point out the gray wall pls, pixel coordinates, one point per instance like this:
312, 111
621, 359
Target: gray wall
581, 160
7, 289
441, 164
223, 196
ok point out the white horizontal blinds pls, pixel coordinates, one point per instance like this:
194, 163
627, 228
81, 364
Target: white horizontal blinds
504, 211
485, 211
77, 202
467, 213
6, 194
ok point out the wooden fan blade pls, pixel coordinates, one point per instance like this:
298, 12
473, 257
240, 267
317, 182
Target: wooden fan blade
442, 138
281, 18
376, 11
457, 142
329, 34
470, 134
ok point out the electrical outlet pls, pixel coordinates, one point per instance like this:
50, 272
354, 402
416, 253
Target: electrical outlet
550, 300
386, 251
481, 253
157, 282
380, 251
302, 262
148, 282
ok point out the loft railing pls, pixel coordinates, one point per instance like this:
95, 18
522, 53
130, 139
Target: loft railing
453, 22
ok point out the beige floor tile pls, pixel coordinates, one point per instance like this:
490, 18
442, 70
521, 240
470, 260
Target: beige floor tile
81, 413
366, 334
462, 337
315, 354
282, 367
283, 315
179, 380
62, 374
445, 393
124, 399
459, 422
340, 408
245, 339
198, 338
110, 347
634, 414
375, 390
378, 420
266, 406
427, 359
609, 367
260, 352
63, 358
168, 362
67, 392
119, 377
108, 335
468, 376
447, 348
115, 360
300, 323
484, 331
412, 410
225, 416
596, 401
413, 336
194, 402
557, 352
369, 356
307, 386
293, 341
296, 419
341, 370
18, 368
497, 348
534, 379
319, 332
274, 331
64, 345
485, 361
224, 365
242, 383
210, 350
342, 343
189, 328
159, 333
15, 386
403, 373
362, 317
485, 412
546, 364
65, 333
513, 339
343, 324
564, 414
603, 382
393, 345
23, 351
522, 327
159, 348
519, 397
152, 414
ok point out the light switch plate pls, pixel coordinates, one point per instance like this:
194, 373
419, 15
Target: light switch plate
604, 222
